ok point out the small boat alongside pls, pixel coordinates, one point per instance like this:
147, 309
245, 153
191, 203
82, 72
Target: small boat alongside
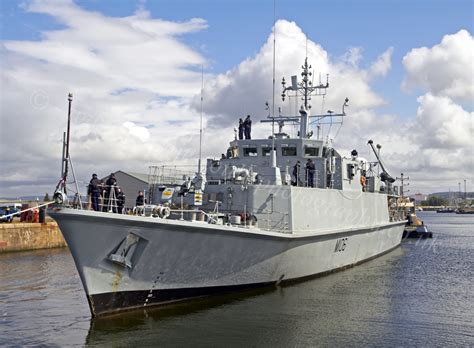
414, 227
417, 232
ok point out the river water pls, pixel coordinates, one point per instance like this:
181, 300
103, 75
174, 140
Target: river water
420, 294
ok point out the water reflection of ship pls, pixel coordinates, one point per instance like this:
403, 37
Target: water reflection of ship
103, 328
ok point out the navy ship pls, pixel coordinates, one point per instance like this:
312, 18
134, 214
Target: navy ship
253, 218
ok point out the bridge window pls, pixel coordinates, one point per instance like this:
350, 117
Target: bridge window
250, 152
288, 150
311, 151
266, 150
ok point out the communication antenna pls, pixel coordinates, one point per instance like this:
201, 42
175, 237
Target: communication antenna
306, 46
273, 87
66, 158
200, 121
403, 184
305, 90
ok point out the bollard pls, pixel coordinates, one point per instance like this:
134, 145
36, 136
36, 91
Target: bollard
201, 216
42, 215
24, 215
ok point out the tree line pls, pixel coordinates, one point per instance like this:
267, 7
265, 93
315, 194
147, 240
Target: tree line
434, 201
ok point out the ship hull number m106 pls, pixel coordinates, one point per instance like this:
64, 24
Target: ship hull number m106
340, 245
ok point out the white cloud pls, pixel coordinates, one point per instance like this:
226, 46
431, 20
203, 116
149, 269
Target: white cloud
132, 78
353, 56
140, 133
445, 69
434, 147
442, 133
383, 64
440, 123
136, 99
244, 89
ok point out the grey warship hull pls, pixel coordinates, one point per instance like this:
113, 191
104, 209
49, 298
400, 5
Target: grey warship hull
179, 260
257, 217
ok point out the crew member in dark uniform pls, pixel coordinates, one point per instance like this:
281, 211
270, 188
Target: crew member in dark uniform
241, 129
248, 127
110, 193
296, 173
310, 170
140, 201
120, 200
94, 191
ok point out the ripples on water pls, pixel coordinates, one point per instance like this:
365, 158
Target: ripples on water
420, 294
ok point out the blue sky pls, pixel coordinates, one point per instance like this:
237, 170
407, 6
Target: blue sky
405, 65
237, 29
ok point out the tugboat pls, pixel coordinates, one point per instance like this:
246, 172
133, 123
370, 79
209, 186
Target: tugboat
415, 227
257, 217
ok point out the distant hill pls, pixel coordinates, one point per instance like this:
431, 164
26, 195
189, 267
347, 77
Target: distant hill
22, 198
449, 195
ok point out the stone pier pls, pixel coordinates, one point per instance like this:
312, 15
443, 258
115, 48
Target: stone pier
30, 236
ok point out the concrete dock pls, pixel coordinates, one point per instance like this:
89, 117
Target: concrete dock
20, 236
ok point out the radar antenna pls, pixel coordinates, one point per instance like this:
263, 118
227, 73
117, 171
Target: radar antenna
306, 90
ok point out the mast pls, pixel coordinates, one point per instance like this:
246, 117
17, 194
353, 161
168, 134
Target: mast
200, 122
402, 179
306, 89
60, 194
66, 158
64, 149
273, 153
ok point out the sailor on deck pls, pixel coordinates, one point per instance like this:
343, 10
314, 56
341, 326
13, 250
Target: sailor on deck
241, 129
310, 170
140, 201
296, 173
120, 200
110, 194
248, 127
93, 190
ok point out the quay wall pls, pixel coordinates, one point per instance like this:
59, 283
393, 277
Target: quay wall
29, 236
